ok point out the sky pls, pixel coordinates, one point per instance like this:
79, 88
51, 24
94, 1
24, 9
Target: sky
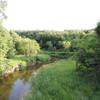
52, 14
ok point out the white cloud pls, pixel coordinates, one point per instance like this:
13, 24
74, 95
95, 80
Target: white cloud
52, 14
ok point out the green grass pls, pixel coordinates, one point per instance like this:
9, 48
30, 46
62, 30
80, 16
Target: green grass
59, 53
20, 59
60, 81
24, 60
20, 62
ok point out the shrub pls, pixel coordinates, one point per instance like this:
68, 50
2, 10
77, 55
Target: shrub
5, 65
42, 58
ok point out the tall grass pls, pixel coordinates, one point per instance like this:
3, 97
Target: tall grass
60, 81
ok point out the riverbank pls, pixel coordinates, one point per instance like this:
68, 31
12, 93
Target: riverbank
60, 81
18, 83
21, 62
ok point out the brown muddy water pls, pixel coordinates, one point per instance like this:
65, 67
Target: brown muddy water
16, 85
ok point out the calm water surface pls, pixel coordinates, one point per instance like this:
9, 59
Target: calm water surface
16, 86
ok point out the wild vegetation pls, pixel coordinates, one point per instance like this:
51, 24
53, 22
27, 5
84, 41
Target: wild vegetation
54, 40
60, 81
76, 77
88, 57
26, 47
84, 48
12, 44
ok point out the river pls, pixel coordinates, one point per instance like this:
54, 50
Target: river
16, 85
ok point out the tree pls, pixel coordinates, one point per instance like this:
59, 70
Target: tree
88, 56
27, 47
97, 29
66, 44
7, 47
3, 5
49, 45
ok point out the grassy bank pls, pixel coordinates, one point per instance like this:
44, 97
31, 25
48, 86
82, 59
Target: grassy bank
60, 81
20, 62
24, 60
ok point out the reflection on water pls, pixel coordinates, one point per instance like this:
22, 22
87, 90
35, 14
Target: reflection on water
21, 87
16, 85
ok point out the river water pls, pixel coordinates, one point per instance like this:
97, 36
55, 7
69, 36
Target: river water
16, 85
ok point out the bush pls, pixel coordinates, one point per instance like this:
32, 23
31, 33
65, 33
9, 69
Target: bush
42, 58
5, 65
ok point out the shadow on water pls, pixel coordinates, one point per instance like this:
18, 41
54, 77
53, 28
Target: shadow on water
17, 84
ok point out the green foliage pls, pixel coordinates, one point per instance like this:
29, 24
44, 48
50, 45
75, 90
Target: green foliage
5, 65
98, 29
66, 44
20, 62
49, 45
7, 47
65, 41
88, 56
43, 58
40, 58
52, 40
61, 55
27, 47
11, 44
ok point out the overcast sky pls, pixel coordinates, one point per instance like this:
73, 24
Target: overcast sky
52, 14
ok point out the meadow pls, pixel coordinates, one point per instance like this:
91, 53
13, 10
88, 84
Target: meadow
61, 81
